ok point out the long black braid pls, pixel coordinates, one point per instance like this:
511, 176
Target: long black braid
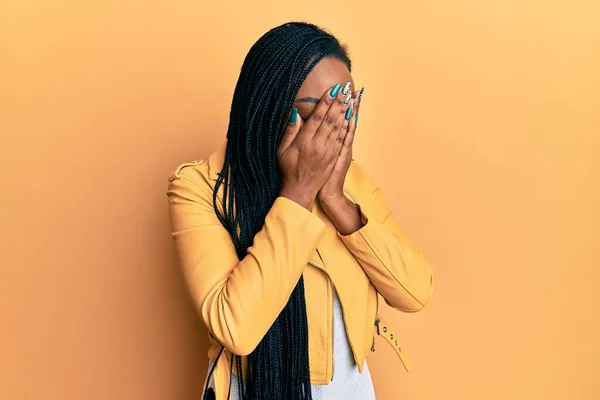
272, 73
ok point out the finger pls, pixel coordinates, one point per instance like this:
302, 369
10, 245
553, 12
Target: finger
359, 97
332, 117
318, 115
341, 125
291, 131
351, 123
348, 141
340, 137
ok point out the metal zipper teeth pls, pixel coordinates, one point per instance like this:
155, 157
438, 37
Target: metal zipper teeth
332, 322
376, 320
314, 264
346, 191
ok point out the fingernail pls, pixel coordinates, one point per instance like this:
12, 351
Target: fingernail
360, 95
356, 118
348, 98
348, 113
345, 88
294, 116
335, 90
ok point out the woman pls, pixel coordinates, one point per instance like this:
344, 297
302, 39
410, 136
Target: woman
284, 241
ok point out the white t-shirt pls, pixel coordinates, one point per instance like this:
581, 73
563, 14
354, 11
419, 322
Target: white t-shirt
348, 383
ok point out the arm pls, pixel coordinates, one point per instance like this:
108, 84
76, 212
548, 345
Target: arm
239, 299
398, 272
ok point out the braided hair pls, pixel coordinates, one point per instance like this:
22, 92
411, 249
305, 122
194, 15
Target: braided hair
272, 73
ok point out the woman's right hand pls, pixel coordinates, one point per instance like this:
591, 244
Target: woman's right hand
308, 151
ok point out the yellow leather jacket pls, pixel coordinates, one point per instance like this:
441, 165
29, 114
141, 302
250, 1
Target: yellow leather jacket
239, 300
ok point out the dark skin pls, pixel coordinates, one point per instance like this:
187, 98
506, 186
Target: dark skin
316, 151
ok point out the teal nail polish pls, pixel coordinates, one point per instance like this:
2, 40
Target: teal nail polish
294, 116
356, 118
335, 90
348, 113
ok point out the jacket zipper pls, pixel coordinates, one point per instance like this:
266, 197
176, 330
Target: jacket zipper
376, 321
378, 333
314, 264
333, 322
346, 191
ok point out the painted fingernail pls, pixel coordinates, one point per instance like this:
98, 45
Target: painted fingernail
356, 118
348, 113
346, 88
360, 95
348, 98
294, 116
334, 91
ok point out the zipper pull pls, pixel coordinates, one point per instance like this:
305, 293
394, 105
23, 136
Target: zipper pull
373, 343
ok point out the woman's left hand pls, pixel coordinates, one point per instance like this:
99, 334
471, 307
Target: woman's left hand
332, 192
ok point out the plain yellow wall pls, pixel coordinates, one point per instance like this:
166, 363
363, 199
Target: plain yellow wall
480, 120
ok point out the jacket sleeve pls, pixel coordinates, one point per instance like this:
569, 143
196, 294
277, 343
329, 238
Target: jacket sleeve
398, 271
239, 299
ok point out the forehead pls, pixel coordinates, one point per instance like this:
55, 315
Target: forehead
323, 77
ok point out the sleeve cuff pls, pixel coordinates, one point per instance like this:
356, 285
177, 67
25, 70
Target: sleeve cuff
293, 213
364, 220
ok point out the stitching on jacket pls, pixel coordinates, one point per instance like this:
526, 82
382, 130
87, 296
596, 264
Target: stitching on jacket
376, 253
327, 327
386, 217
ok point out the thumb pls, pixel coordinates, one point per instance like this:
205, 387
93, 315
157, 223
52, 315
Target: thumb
291, 131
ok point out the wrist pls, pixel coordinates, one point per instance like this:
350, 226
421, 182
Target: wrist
331, 201
343, 212
301, 196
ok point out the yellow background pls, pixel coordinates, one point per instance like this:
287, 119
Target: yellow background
480, 120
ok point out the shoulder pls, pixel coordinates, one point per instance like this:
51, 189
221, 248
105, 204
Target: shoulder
196, 178
203, 170
190, 194
189, 181
191, 174
187, 169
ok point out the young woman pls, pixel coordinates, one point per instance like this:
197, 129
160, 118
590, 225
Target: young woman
284, 241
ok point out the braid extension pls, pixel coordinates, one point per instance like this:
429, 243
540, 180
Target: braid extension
270, 78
